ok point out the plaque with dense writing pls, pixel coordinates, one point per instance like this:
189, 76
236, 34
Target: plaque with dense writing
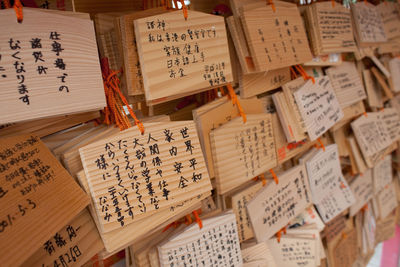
131, 175
37, 197
382, 173
363, 191
216, 244
180, 57
48, 66
276, 204
368, 22
318, 106
347, 84
330, 28
371, 133
330, 191
242, 151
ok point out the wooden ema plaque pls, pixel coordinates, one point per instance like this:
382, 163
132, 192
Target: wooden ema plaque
275, 39
73, 245
215, 244
330, 28
276, 204
368, 24
48, 66
132, 176
347, 84
318, 106
37, 197
181, 57
242, 151
132, 72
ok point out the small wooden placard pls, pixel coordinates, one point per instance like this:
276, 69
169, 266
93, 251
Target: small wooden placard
37, 197
181, 57
242, 151
275, 39
131, 176
49, 66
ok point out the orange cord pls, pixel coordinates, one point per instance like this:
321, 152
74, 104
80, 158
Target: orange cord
274, 176
294, 74
321, 144
188, 219
300, 69
261, 177
333, 3
235, 101
184, 9
271, 2
365, 1
17, 8
197, 218
279, 234
114, 112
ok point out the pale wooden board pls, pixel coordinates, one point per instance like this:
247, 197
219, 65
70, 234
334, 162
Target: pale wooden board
258, 255
394, 67
257, 83
382, 82
216, 116
32, 209
391, 120
349, 113
362, 188
374, 95
132, 73
284, 150
274, 48
318, 106
371, 134
45, 127
333, 28
391, 19
347, 84
120, 238
173, 167
382, 173
238, 202
289, 89
288, 120
369, 26
294, 251
239, 41
339, 137
330, 191
345, 252
276, 204
71, 158
57, 139
385, 228
207, 248
387, 200
77, 242
355, 155
208, 47
86, 91
233, 163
